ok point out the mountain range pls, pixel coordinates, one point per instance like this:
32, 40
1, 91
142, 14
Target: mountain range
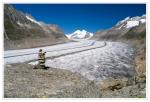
128, 28
21, 30
133, 32
80, 34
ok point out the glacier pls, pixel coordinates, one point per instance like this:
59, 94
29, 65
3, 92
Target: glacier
96, 60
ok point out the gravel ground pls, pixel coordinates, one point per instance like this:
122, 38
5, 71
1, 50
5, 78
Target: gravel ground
21, 81
133, 91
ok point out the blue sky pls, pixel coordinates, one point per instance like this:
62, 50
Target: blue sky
91, 17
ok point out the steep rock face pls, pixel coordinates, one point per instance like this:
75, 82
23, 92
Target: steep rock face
23, 31
128, 28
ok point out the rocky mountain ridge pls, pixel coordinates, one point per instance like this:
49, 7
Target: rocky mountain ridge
23, 31
128, 28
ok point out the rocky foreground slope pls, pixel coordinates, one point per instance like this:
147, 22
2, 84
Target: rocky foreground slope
21, 81
23, 31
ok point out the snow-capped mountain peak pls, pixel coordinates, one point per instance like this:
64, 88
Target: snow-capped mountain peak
77, 31
122, 21
130, 22
80, 34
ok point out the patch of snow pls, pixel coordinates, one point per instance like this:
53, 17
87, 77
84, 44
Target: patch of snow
144, 16
131, 24
80, 34
20, 24
77, 31
137, 18
91, 34
143, 20
32, 20
34, 63
122, 21
127, 18
121, 26
68, 35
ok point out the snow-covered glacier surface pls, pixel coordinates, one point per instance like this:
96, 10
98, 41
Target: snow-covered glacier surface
24, 55
113, 60
93, 59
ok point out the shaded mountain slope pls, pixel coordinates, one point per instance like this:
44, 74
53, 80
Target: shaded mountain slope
23, 31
